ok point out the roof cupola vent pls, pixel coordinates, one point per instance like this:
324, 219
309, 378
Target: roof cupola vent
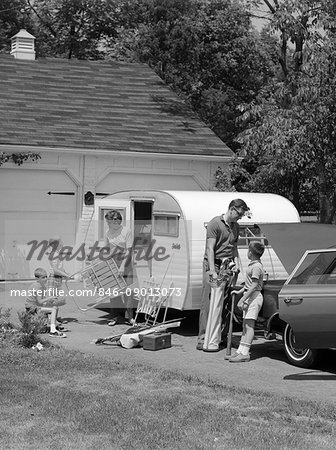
23, 45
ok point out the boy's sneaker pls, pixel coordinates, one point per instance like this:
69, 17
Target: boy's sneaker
58, 334
239, 358
232, 355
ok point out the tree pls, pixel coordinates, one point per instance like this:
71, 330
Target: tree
318, 92
208, 54
73, 28
18, 158
63, 28
13, 16
287, 146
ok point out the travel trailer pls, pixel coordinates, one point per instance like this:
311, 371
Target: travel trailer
169, 230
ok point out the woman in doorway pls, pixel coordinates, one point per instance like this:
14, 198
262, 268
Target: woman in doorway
119, 240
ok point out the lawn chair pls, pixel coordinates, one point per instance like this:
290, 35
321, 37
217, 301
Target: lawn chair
151, 298
104, 281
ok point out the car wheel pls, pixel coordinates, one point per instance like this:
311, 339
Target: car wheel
301, 357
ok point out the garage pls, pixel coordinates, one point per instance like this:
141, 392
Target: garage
34, 205
102, 128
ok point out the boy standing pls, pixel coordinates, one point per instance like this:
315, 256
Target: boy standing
37, 301
251, 301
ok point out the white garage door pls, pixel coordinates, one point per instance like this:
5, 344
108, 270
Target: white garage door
34, 205
125, 181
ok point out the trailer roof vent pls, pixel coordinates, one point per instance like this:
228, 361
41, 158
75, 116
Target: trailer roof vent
23, 45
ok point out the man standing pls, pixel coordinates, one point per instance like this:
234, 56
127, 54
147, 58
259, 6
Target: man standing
220, 255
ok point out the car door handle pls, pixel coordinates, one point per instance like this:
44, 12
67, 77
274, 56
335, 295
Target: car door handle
293, 299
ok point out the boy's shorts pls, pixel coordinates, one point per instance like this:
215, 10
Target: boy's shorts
254, 307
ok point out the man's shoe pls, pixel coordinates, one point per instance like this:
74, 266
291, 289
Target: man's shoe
239, 358
211, 350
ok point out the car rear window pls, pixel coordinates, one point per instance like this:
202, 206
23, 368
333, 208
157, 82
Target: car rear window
316, 268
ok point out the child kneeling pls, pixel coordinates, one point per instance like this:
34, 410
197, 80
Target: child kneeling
37, 301
251, 301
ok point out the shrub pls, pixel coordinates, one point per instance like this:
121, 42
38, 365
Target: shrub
7, 328
30, 326
5, 323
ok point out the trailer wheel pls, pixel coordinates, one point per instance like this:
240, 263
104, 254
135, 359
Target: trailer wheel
301, 357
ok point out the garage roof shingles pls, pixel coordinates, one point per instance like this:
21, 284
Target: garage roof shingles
97, 105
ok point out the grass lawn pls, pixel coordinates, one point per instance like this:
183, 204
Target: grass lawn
61, 399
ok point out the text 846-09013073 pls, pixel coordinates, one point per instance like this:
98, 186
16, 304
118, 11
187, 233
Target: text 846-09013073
150, 291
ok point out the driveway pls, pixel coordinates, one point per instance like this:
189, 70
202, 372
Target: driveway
267, 371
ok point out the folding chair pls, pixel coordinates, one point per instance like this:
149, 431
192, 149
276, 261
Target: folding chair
151, 297
104, 280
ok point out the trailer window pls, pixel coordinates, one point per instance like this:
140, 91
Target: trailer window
166, 225
142, 233
248, 233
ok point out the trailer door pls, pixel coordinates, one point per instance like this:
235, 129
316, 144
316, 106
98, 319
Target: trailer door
102, 206
142, 220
